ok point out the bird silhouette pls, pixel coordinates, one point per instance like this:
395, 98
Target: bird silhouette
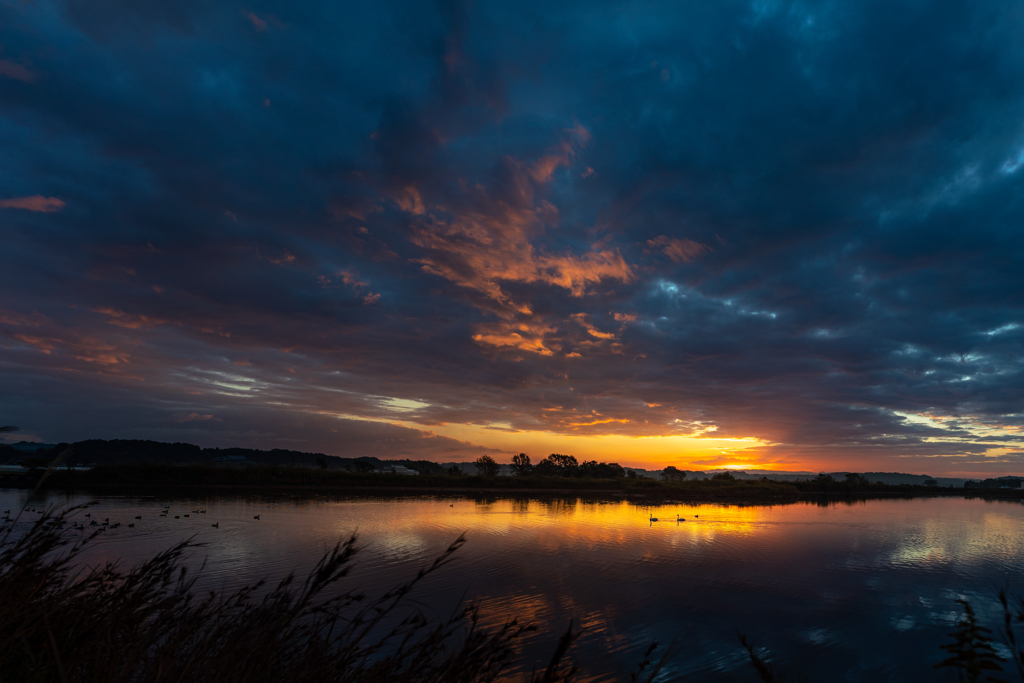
216, 526
139, 517
653, 518
256, 517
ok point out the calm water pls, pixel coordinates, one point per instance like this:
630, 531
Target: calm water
861, 592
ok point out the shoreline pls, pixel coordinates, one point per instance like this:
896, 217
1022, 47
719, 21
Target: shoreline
187, 480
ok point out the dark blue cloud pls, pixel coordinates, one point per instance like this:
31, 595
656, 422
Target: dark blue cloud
797, 221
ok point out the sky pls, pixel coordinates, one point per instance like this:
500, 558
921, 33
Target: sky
775, 235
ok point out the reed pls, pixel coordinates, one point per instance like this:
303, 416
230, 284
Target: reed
62, 623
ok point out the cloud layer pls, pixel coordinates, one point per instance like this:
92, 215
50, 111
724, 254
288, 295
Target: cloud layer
308, 225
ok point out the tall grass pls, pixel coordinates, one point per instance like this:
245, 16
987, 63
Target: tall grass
62, 623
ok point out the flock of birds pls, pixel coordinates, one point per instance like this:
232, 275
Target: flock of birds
678, 518
107, 524
106, 521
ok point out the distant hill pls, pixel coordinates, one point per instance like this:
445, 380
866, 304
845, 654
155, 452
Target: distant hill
127, 451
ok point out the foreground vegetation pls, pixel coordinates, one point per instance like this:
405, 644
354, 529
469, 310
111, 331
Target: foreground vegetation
147, 623
65, 624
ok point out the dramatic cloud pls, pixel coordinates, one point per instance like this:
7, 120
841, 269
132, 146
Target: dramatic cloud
34, 203
782, 234
16, 71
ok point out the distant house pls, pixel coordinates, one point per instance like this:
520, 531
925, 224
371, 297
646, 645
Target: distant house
235, 460
998, 483
397, 469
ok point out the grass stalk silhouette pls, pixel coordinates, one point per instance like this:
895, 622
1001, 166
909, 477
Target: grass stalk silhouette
60, 622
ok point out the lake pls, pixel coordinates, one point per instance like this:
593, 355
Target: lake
860, 591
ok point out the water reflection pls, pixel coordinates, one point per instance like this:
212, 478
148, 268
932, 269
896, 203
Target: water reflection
855, 591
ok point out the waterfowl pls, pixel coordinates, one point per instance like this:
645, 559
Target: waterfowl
680, 519
88, 514
139, 517
176, 516
256, 517
653, 518
185, 516
216, 526
131, 525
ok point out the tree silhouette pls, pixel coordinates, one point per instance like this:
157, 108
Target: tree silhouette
521, 465
673, 473
486, 466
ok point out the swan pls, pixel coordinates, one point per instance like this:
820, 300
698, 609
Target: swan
653, 518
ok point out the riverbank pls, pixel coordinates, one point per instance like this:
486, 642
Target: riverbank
151, 478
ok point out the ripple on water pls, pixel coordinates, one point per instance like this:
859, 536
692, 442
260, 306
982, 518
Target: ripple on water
817, 586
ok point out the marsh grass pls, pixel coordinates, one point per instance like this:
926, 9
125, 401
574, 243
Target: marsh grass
60, 622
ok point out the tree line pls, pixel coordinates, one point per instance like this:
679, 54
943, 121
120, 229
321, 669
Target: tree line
559, 465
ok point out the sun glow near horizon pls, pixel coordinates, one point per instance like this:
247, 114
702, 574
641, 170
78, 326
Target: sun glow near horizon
647, 452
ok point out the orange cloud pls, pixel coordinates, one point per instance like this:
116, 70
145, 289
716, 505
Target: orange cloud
257, 23
192, 417
16, 71
410, 201
351, 279
285, 260
479, 251
679, 250
132, 322
94, 350
43, 345
34, 320
581, 319
36, 202
542, 169
523, 336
